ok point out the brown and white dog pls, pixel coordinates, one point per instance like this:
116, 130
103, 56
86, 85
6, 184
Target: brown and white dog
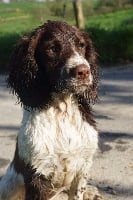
53, 72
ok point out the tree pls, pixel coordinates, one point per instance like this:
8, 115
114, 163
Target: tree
78, 11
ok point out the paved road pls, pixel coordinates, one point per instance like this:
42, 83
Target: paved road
112, 170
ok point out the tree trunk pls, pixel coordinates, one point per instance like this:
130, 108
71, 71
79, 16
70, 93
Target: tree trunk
78, 12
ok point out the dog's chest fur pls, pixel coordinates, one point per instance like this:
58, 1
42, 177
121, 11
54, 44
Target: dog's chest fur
57, 141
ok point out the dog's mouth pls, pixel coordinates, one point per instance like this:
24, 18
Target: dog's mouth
78, 86
75, 79
73, 85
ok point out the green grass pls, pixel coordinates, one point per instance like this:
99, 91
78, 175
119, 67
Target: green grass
111, 21
18, 17
22, 17
112, 32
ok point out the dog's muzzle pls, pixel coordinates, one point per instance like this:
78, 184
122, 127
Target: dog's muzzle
81, 73
76, 74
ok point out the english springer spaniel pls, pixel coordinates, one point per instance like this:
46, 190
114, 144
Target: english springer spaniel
53, 72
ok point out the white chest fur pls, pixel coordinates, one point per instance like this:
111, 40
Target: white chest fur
57, 139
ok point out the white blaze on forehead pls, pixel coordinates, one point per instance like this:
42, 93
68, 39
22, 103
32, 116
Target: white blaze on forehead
76, 60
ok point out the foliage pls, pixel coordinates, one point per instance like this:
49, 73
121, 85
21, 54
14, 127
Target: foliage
115, 46
104, 6
113, 36
112, 20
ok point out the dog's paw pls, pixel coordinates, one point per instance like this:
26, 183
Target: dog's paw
92, 193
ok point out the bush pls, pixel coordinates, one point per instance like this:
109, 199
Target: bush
112, 34
113, 46
7, 43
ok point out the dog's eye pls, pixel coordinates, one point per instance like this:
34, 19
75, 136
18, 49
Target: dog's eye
54, 48
81, 45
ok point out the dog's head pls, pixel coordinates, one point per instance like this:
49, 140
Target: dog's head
56, 57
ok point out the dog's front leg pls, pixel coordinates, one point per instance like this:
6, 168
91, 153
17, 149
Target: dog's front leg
81, 188
78, 188
92, 193
37, 187
81, 191
34, 189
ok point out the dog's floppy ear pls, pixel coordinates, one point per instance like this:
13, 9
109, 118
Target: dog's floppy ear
91, 56
23, 69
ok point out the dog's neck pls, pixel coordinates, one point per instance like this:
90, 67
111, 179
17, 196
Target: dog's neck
58, 118
60, 106
58, 130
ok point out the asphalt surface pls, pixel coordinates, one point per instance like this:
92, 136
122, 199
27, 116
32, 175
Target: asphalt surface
112, 170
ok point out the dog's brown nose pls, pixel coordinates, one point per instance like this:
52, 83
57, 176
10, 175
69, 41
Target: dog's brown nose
81, 72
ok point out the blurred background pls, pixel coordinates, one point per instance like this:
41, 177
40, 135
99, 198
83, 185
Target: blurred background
110, 23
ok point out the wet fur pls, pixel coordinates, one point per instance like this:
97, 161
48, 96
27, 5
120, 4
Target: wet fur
58, 136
